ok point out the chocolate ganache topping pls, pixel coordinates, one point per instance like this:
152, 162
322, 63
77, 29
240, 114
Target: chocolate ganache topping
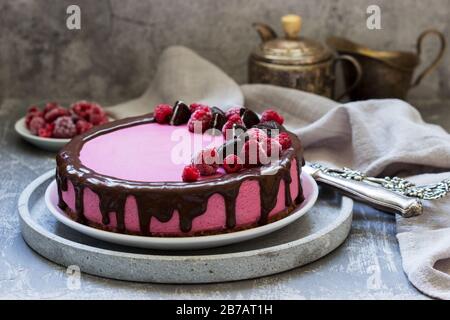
161, 199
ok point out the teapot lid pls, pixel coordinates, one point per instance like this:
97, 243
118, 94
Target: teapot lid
292, 50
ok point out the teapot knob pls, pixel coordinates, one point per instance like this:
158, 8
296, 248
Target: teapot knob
291, 25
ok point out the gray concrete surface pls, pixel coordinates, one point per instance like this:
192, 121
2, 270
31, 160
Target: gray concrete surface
366, 266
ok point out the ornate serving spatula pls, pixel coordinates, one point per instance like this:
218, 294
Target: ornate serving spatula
395, 194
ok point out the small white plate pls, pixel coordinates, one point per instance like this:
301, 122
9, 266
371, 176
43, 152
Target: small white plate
50, 144
310, 191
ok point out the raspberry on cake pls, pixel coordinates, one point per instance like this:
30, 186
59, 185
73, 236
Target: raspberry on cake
200, 118
233, 120
198, 106
190, 173
270, 114
284, 140
234, 111
232, 163
163, 113
122, 178
207, 161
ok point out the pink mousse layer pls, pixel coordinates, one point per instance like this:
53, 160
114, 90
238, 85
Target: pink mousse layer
142, 153
148, 152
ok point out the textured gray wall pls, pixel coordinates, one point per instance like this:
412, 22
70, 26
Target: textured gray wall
114, 54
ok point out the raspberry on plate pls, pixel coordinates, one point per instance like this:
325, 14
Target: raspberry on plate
50, 106
81, 108
55, 113
64, 128
270, 114
84, 109
232, 163
83, 126
30, 117
33, 109
200, 120
190, 174
35, 124
96, 116
163, 113
47, 131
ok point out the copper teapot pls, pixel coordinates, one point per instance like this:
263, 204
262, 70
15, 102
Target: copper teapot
297, 62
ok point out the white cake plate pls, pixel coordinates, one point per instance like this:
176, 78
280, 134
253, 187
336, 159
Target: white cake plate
184, 243
322, 229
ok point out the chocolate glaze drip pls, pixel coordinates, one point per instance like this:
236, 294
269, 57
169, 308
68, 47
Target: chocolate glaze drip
161, 199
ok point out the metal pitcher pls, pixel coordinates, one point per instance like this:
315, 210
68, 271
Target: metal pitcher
386, 74
297, 62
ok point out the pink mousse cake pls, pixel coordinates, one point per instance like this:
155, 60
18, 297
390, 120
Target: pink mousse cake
126, 176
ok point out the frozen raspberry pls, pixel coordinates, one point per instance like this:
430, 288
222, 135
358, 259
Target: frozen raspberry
84, 109
81, 108
270, 114
208, 156
232, 163
252, 153
163, 113
33, 109
200, 120
256, 134
207, 161
35, 124
206, 169
47, 131
232, 120
50, 106
272, 147
74, 116
55, 113
96, 116
190, 174
198, 106
233, 111
103, 120
284, 140
30, 117
64, 128
50, 127
83, 126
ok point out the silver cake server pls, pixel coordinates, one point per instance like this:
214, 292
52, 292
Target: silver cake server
395, 194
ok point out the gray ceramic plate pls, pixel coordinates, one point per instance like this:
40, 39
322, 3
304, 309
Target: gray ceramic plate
309, 238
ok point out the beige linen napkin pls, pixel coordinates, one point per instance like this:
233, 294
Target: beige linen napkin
379, 137
182, 74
